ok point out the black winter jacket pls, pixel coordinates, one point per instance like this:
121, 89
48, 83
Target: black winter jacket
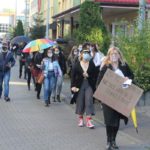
112, 117
77, 75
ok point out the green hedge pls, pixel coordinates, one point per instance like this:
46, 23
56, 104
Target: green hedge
136, 49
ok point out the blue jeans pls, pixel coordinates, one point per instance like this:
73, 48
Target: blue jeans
4, 76
58, 86
49, 83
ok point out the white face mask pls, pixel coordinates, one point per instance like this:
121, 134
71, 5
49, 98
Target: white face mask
92, 54
56, 52
80, 48
91, 48
75, 53
114, 58
50, 55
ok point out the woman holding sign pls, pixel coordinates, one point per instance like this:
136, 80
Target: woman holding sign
114, 61
83, 83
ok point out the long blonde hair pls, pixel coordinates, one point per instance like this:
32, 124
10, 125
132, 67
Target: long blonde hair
107, 61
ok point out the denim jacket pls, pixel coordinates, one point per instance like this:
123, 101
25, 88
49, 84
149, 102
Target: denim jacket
56, 67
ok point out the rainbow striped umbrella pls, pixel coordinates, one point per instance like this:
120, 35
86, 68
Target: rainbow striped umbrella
38, 45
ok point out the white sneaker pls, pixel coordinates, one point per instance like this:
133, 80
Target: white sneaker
89, 123
80, 123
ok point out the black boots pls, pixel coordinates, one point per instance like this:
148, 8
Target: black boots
114, 145
111, 144
108, 146
7, 99
58, 98
54, 99
38, 95
28, 87
46, 103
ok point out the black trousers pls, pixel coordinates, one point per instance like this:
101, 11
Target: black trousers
111, 132
38, 89
29, 76
21, 66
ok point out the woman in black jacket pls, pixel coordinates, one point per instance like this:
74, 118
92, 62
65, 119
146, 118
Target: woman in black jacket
83, 81
114, 61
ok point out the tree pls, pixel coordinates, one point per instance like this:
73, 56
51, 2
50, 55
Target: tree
18, 30
37, 29
90, 24
136, 49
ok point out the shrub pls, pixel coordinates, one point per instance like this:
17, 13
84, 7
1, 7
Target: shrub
136, 49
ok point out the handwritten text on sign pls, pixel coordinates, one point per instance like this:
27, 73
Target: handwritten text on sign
111, 93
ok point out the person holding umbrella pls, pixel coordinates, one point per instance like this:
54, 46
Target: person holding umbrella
7, 61
36, 65
114, 61
36, 47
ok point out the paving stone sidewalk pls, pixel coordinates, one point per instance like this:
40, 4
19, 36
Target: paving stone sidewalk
25, 124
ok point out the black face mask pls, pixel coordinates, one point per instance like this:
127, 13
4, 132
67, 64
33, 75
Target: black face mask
4, 49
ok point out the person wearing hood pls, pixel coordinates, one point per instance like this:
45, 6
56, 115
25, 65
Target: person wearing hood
7, 61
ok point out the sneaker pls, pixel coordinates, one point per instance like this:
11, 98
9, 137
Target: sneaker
81, 123
89, 123
7, 99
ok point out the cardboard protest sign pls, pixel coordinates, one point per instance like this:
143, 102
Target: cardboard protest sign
111, 92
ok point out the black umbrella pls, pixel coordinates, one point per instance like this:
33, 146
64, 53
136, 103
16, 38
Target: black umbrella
61, 41
20, 39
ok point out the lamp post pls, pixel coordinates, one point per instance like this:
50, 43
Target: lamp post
142, 5
15, 13
47, 18
26, 23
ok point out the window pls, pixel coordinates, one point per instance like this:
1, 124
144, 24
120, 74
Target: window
119, 27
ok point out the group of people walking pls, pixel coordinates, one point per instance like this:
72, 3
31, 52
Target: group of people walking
86, 68
87, 71
46, 69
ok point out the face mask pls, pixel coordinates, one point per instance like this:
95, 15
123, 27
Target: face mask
75, 53
86, 57
91, 48
92, 54
50, 55
4, 49
114, 58
56, 52
80, 48
31, 55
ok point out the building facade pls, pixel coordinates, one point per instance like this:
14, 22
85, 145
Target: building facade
64, 14
7, 20
116, 14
